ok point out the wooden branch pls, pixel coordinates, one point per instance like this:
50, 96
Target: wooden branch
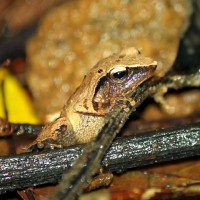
31, 169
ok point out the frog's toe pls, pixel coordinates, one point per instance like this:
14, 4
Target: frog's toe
53, 146
40, 145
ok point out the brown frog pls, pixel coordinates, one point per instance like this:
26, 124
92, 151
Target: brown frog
109, 82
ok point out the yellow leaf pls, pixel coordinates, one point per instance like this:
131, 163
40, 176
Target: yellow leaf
18, 104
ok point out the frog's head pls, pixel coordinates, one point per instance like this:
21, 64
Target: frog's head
115, 77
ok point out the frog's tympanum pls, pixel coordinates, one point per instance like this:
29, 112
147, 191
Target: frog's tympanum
109, 82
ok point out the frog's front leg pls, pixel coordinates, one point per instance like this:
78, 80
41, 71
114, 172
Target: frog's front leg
55, 134
159, 98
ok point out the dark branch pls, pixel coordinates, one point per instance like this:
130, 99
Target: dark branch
30, 169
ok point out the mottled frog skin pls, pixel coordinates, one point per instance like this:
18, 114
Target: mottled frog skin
109, 82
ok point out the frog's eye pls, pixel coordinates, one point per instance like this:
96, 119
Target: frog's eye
118, 74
